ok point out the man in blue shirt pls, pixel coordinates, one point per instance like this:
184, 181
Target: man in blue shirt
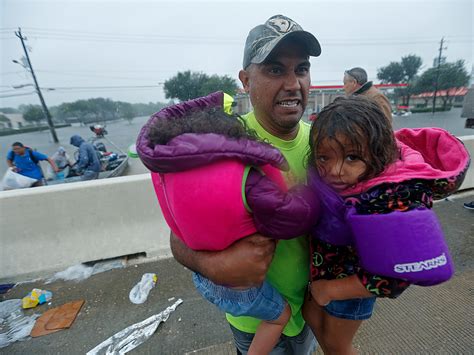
25, 161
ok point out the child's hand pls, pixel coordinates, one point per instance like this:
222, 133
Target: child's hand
320, 291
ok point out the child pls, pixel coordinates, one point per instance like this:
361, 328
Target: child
377, 233
215, 184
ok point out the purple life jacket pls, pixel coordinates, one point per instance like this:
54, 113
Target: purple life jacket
405, 245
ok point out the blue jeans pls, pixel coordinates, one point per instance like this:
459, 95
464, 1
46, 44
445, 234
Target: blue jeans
90, 175
353, 309
262, 302
302, 344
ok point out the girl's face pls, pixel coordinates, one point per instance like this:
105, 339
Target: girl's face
339, 162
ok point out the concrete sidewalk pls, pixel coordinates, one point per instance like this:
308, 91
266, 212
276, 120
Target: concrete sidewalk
435, 320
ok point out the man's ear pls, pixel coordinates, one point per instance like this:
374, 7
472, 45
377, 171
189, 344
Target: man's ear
244, 79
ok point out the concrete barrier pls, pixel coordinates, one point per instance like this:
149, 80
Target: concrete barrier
469, 179
50, 228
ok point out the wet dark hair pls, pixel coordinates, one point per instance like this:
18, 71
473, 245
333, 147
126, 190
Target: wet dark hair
200, 121
364, 124
18, 144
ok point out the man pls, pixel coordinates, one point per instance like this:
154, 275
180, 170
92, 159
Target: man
88, 162
276, 75
25, 161
355, 83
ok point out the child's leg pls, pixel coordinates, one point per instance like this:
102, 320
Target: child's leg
313, 315
268, 333
337, 335
334, 335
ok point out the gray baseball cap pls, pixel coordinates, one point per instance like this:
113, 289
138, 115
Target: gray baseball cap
263, 39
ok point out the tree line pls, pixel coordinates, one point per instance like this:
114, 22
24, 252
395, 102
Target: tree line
406, 71
183, 86
88, 111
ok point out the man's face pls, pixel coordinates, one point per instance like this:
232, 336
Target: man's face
350, 84
18, 150
279, 88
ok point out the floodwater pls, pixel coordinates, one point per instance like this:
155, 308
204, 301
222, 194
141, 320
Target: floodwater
124, 134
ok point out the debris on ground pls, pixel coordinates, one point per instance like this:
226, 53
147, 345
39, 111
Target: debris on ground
73, 273
4, 288
81, 272
36, 297
56, 319
14, 325
134, 335
139, 292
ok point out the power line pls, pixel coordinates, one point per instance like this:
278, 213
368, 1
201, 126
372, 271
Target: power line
106, 87
14, 95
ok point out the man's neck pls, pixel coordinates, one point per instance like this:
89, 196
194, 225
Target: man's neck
280, 132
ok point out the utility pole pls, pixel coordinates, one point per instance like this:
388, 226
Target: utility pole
437, 73
43, 104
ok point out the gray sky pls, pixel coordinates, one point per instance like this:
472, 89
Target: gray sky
84, 43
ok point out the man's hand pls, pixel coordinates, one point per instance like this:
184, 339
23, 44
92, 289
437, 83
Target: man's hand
243, 264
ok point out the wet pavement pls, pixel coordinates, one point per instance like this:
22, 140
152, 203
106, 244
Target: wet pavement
434, 320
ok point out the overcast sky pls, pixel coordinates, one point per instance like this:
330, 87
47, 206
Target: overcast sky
140, 44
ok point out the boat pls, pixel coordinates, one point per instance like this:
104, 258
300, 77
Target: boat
113, 162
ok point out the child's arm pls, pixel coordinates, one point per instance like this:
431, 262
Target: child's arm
278, 214
361, 285
325, 291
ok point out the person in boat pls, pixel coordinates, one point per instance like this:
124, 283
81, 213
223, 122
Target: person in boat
88, 164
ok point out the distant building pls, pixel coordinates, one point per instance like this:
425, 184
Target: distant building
16, 120
456, 97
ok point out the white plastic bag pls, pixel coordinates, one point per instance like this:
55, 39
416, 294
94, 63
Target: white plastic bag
14, 325
139, 293
76, 273
12, 180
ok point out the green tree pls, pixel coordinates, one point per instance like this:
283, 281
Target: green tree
392, 73
189, 85
219, 83
126, 111
404, 72
33, 113
411, 65
184, 86
9, 110
451, 75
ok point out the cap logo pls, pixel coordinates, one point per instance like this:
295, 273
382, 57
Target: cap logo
280, 25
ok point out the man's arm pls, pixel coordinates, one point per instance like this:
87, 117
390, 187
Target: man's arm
10, 163
53, 165
243, 264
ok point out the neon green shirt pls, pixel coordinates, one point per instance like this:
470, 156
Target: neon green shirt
289, 270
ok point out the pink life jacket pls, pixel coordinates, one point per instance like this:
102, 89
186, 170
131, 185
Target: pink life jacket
204, 206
